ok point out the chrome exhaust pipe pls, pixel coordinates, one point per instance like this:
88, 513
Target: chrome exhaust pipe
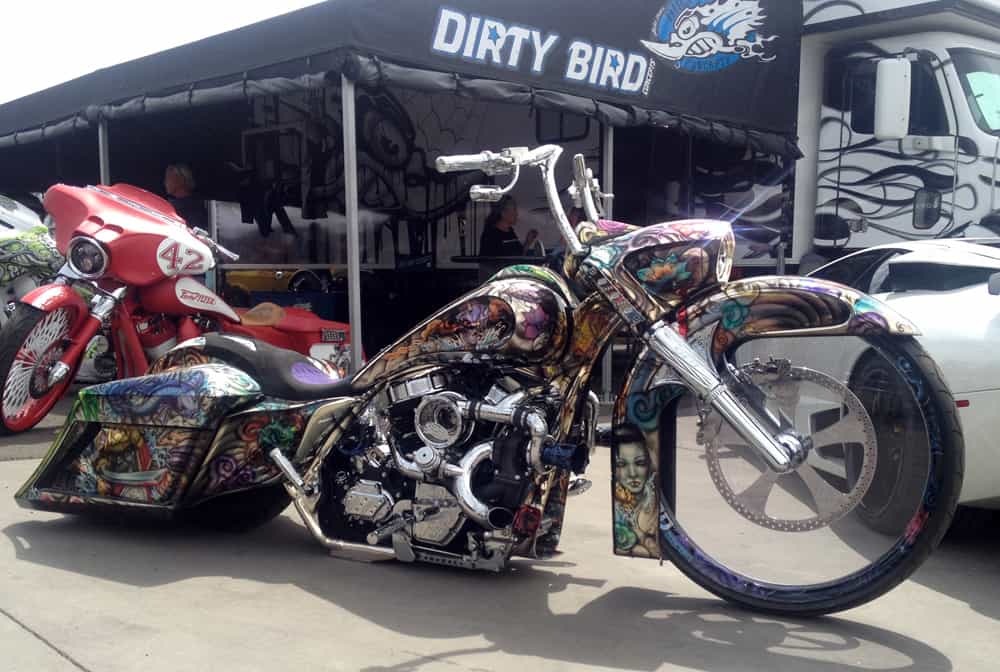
338, 548
474, 508
500, 518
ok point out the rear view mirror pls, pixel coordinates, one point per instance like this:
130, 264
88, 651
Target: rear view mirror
995, 284
892, 99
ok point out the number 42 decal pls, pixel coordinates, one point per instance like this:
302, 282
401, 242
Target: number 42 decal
174, 258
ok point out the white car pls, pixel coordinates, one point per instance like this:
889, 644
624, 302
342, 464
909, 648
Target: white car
942, 286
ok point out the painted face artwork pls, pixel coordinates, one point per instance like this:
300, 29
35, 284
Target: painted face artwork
632, 467
635, 507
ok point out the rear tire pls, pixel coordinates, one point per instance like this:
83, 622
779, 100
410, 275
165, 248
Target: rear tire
30, 343
240, 511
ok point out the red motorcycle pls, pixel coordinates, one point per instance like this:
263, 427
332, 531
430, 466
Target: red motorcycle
129, 258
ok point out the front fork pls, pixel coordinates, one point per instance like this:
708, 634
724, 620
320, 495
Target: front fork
782, 449
101, 308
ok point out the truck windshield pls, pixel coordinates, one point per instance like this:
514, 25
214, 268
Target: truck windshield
980, 75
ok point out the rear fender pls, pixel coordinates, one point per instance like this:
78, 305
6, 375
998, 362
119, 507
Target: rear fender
771, 307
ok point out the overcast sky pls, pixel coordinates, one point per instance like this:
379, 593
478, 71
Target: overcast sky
46, 42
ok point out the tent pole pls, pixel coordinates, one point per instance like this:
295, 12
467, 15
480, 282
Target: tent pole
353, 221
608, 185
103, 153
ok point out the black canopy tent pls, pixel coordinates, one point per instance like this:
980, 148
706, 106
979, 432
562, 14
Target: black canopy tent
721, 69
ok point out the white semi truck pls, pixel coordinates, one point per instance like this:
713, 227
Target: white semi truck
899, 123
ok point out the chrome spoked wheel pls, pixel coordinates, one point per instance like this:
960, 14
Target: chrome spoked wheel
36, 343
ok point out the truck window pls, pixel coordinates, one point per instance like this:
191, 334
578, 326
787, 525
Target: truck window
980, 75
927, 112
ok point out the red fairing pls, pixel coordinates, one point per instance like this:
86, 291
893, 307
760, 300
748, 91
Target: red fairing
72, 206
145, 239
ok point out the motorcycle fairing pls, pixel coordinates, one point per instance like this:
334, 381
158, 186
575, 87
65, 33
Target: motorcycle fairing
138, 441
643, 422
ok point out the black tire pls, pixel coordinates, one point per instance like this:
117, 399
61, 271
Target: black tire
240, 511
940, 498
883, 507
13, 335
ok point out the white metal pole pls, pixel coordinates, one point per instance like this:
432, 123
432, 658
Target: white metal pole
353, 219
608, 184
102, 151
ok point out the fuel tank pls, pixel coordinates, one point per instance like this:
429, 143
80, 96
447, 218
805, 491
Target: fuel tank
518, 318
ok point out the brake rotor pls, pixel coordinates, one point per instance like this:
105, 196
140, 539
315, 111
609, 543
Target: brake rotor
782, 386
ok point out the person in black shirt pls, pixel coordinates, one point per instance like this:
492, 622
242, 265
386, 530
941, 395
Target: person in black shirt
499, 238
179, 184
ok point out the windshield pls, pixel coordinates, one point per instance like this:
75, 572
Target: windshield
980, 75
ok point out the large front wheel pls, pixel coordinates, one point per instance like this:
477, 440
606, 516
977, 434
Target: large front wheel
31, 343
873, 499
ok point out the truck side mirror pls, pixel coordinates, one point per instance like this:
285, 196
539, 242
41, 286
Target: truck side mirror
892, 99
994, 284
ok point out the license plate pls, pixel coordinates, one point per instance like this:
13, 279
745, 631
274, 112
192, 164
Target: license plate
332, 336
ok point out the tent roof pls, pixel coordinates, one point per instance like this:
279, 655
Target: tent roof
561, 47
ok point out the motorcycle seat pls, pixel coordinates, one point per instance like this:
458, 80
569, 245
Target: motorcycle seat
283, 374
263, 315
292, 320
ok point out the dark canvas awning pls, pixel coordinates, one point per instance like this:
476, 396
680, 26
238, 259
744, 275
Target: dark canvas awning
723, 68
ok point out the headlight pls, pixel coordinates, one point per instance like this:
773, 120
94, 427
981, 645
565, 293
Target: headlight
726, 258
87, 257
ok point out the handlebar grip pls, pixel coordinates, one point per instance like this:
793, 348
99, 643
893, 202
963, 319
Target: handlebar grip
460, 162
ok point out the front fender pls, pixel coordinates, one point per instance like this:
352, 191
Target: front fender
767, 307
51, 297
779, 306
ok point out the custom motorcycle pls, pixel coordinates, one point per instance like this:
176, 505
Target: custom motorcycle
126, 283
759, 477
28, 255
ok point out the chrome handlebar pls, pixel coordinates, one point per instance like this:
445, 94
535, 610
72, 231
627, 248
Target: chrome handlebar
546, 157
202, 235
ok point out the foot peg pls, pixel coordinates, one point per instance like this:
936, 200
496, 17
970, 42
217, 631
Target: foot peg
398, 523
578, 486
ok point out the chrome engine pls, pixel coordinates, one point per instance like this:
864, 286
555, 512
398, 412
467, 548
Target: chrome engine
440, 467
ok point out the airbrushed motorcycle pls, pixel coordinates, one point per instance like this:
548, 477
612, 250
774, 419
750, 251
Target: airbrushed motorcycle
28, 255
126, 283
762, 479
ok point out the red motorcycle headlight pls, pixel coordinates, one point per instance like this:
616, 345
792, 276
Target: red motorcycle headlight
87, 257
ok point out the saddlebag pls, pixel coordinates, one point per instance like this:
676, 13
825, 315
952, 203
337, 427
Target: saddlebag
139, 442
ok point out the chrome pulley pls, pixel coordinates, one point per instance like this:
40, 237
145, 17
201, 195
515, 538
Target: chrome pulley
833, 479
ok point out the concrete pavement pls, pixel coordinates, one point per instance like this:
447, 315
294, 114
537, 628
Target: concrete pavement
82, 595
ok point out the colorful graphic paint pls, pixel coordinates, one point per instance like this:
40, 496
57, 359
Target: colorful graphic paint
517, 321
147, 465
31, 253
238, 458
196, 397
635, 497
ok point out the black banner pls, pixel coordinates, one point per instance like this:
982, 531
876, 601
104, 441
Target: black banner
735, 61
